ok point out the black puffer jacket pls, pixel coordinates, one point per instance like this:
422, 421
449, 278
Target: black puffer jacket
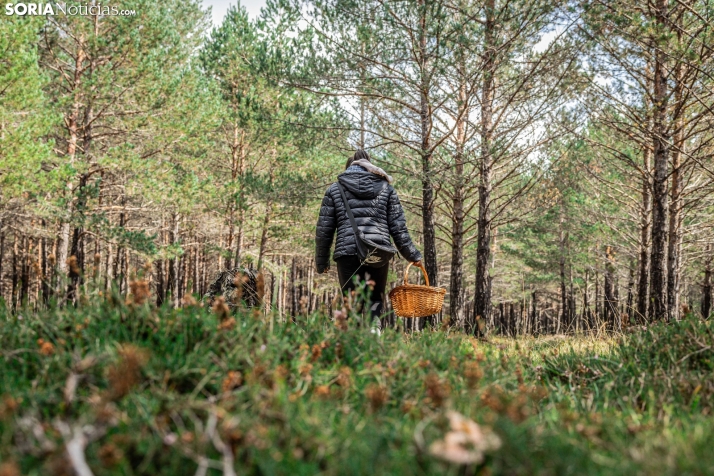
379, 215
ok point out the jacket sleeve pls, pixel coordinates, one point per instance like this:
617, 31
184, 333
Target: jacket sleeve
325, 232
398, 229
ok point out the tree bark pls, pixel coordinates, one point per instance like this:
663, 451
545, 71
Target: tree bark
645, 218
585, 319
25, 271
675, 209
609, 302
160, 289
658, 285
630, 292
562, 238
174, 268
15, 253
77, 248
429, 232
264, 236
44, 275
293, 294
534, 314
236, 166
674, 243
279, 289
456, 293
124, 288
572, 308
72, 122
241, 205
197, 267
108, 268
204, 271
598, 316
2, 258
707, 286
483, 252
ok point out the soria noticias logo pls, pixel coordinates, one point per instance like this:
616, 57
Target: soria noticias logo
24, 9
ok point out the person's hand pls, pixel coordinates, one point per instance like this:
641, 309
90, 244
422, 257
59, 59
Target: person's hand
324, 270
417, 264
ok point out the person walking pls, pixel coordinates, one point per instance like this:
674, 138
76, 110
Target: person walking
377, 213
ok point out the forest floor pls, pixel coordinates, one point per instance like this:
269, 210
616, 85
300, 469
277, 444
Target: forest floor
112, 387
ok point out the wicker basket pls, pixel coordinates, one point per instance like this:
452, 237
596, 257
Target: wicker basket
413, 300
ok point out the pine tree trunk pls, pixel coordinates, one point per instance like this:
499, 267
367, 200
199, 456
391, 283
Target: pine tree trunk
36, 277
108, 268
171, 272
63, 250
15, 273
609, 306
675, 209
534, 314
236, 146
77, 249
72, 122
572, 307
229, 244
120, 250
264, 236
25, 271
96, 263
44, 278
645, 218
125, 271
564, 307
617, 322
197, 267
630, 292
707, 284
204, 271
293, 294
429, 232
280, 289
175, 263
598, 316
160, 286
658, 285
456, 293
471, 324
362, 102
586, 305
185, 268
76, 275
483, 251
2, 258
512, 319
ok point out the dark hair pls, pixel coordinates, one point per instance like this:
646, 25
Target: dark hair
359, 155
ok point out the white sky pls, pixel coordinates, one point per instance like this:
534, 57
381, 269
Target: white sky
219, 8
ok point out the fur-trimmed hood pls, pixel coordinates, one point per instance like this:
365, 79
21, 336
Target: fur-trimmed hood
370, 167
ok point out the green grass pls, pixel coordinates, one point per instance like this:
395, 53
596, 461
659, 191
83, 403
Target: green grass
160, 391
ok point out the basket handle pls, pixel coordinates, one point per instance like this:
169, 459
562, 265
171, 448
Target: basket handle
423, 271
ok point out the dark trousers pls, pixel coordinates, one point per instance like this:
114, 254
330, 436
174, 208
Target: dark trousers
349, 266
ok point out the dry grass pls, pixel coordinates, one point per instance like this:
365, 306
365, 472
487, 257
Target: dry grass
136, 390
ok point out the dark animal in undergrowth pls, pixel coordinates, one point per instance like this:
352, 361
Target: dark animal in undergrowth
236, 285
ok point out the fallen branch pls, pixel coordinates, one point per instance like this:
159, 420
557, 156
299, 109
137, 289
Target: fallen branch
703, 349
75, 442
